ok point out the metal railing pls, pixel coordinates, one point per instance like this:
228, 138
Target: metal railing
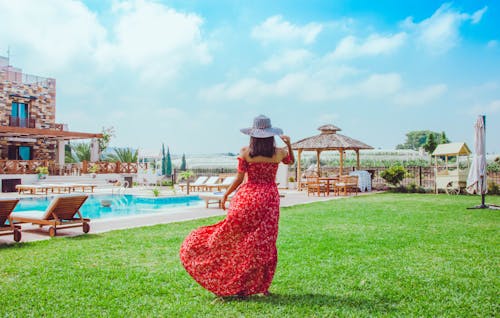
21, 122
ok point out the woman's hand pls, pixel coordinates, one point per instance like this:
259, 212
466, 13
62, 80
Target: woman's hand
285, 139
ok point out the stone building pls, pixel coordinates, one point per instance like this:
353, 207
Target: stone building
28, 128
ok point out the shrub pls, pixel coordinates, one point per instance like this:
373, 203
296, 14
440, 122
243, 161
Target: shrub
494, 166
394, 175
291, 179
156, 192
422, 190
412, 188
167, 183
42, 170
493, 188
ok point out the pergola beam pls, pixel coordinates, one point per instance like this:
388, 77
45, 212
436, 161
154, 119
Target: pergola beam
9, 131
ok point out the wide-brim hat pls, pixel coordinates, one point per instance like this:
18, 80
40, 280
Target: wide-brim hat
262, 128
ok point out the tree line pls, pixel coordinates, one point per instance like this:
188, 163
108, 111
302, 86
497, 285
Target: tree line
426, 139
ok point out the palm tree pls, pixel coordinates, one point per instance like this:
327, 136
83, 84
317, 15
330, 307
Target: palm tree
123, 155
79, 152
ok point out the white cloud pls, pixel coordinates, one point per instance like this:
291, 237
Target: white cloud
286, 60
441, 32
277, 29
351, 47
56, 32
492, 107
478, 15
154, 39
146, 37
492, 44
420, 97
308, 87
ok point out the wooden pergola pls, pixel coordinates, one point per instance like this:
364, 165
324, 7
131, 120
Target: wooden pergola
57, 134
327, 140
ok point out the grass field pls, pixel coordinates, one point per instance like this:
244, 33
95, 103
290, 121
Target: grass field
382, 255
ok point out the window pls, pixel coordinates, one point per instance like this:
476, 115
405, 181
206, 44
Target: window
19, 153
19, 114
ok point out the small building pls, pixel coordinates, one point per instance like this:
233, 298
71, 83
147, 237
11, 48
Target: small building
29, 134
451, 177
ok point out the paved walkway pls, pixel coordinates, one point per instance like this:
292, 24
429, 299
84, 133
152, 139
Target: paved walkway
33, 233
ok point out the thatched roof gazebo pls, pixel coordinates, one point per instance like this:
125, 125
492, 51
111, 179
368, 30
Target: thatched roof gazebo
328, 140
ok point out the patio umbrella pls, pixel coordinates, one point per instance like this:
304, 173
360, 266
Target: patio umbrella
476, 181
94, 150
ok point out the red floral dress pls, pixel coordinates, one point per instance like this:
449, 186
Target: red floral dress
238, 255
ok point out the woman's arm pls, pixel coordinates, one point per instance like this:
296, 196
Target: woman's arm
286, 140
234, 186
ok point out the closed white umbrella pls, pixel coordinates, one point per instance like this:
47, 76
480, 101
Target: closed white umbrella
94, 150
476, 181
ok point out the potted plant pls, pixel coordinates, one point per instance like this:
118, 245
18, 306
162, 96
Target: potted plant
42, 172
156, 192
186, 175
93, 170
292, 185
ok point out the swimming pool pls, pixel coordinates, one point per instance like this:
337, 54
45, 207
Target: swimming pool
121, 205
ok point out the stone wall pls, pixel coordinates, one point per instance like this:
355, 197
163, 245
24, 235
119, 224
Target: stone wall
40, 94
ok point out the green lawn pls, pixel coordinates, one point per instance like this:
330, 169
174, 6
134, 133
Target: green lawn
382, 255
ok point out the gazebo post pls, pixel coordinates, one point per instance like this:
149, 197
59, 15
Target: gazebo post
299, 174
318, 165
357, 159
341, 151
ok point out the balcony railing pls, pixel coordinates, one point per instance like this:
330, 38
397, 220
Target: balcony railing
29, 167
21, 122
23, 166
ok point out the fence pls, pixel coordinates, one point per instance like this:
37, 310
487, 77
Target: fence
420, 176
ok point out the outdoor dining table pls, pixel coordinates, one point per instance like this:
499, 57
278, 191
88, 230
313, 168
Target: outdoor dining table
327, 181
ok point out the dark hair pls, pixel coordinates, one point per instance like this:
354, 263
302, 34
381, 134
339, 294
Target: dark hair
262, 147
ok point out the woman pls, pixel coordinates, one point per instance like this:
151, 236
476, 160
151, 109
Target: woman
237, 256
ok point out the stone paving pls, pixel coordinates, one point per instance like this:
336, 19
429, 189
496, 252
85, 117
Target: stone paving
178, 214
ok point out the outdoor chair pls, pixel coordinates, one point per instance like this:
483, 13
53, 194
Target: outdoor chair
6, 207
195, 186
62, 212
346, 185
210, 184
315, 186
226, 183
214, 198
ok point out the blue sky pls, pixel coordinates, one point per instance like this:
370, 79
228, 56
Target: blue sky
192, 73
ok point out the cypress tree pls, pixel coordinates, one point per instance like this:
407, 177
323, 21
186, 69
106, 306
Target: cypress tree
169, 163
183, 163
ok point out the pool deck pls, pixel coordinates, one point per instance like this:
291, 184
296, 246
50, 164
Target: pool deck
32, 233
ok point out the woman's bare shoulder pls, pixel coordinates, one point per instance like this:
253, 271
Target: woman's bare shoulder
244, 153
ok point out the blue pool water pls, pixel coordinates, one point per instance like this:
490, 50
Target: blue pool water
121, 205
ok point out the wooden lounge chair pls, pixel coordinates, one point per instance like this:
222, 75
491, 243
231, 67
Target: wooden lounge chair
210, 184
6, 207
214, 198
32, 188
63, 212
196, 186
226, 183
